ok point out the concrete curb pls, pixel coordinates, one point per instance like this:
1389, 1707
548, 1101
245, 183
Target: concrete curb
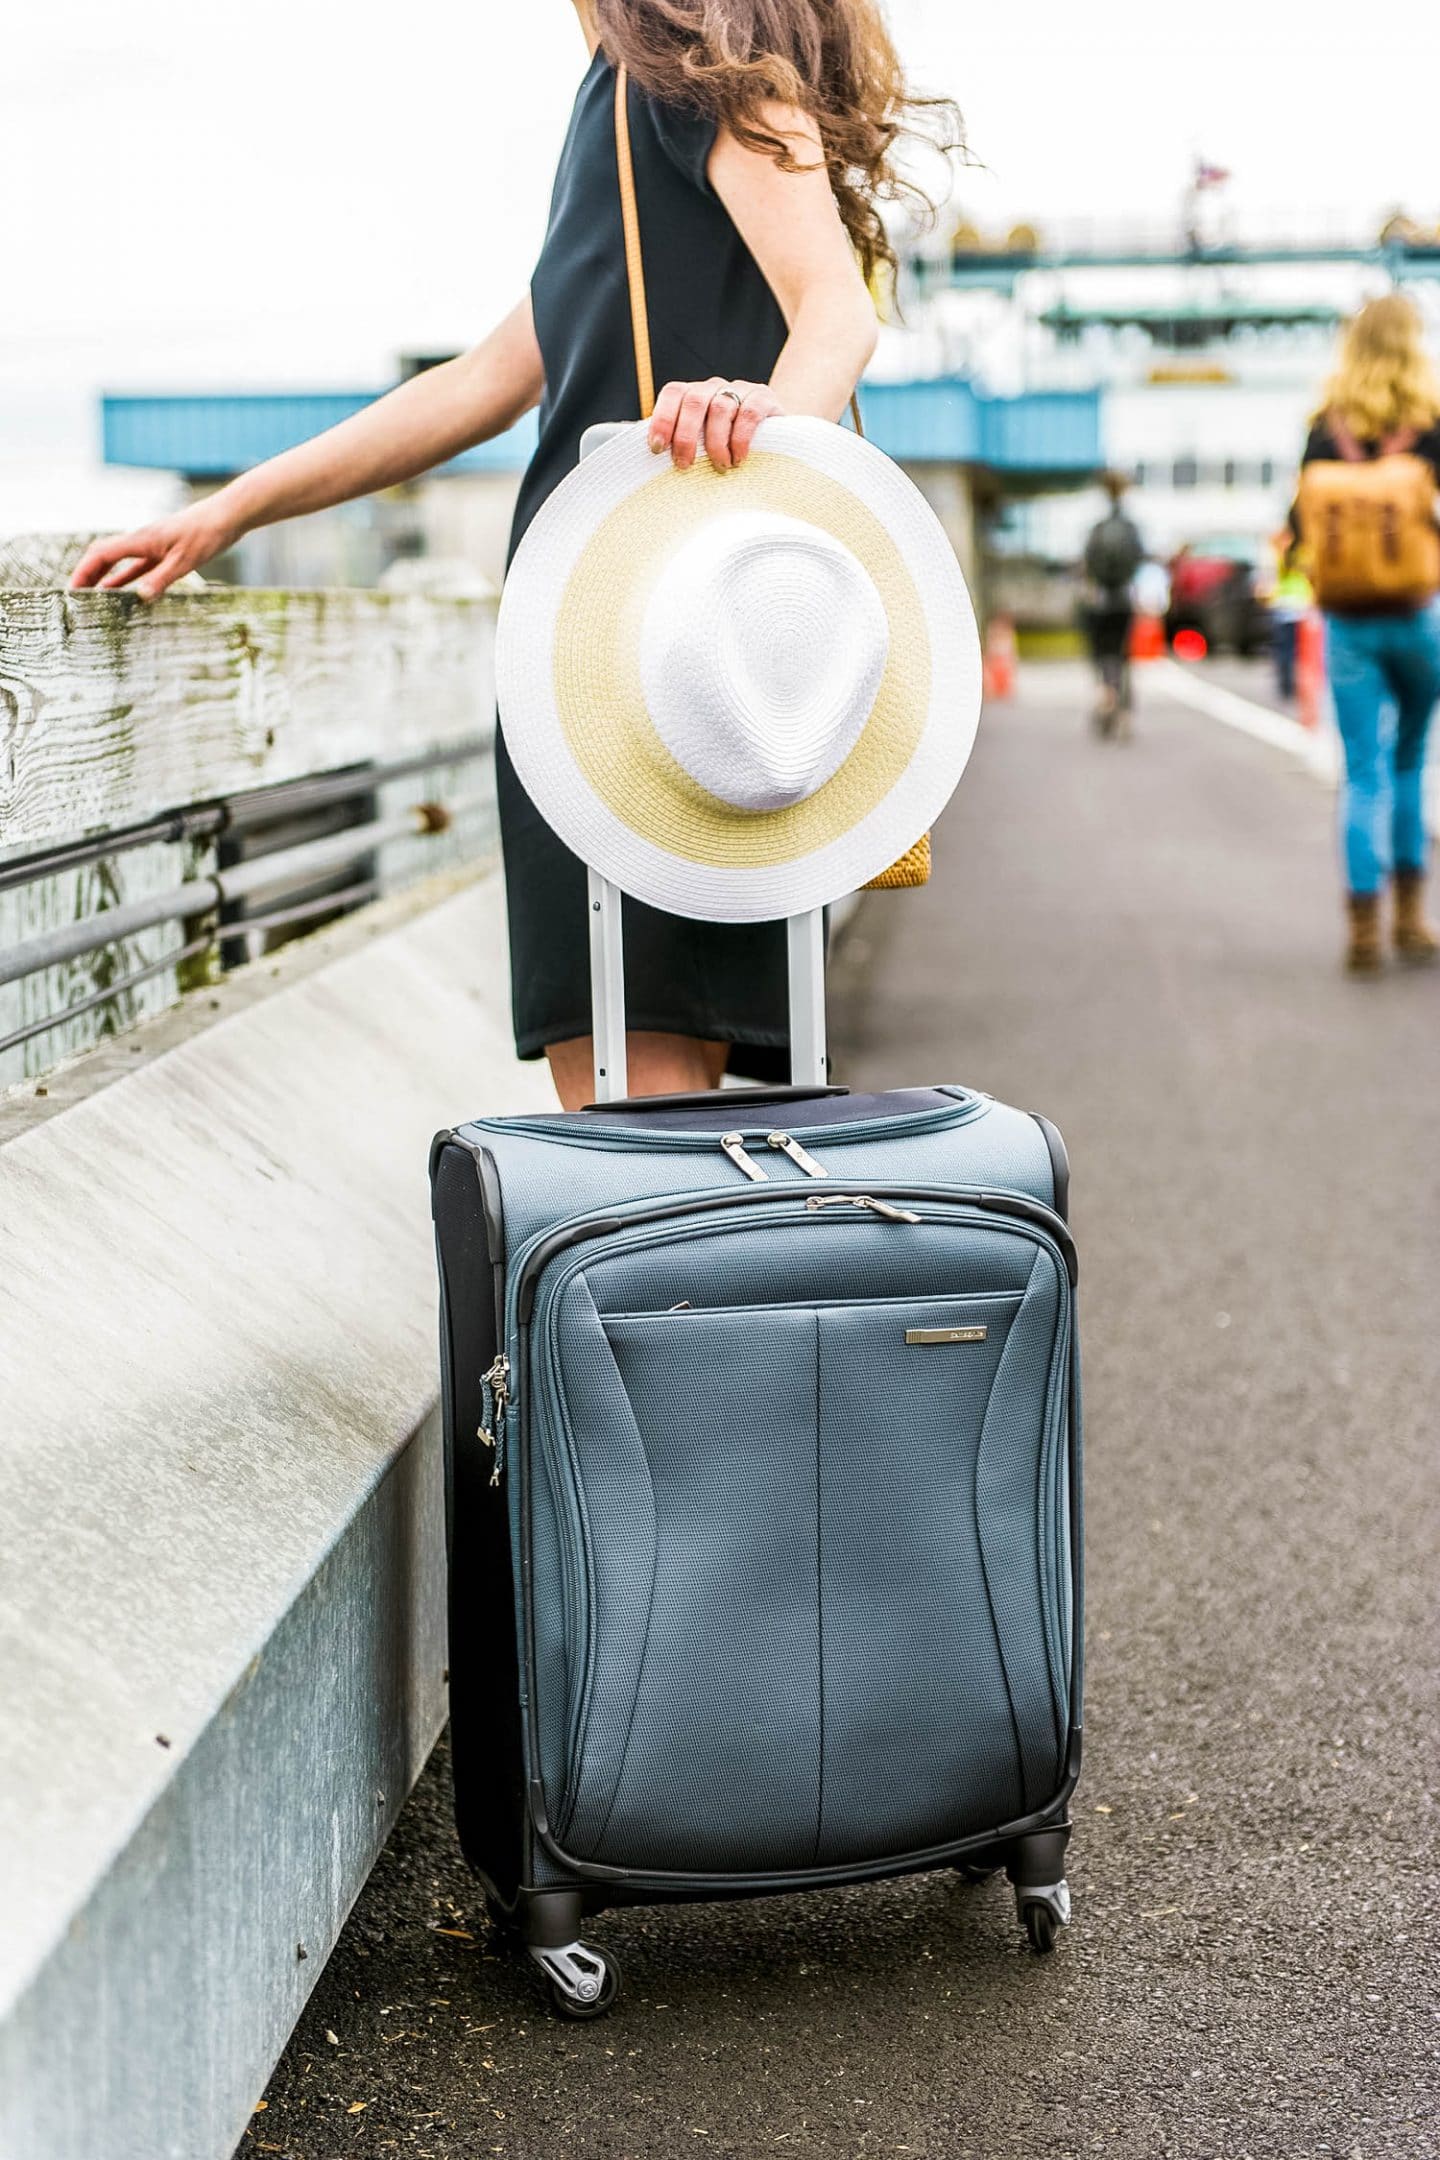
221, 1601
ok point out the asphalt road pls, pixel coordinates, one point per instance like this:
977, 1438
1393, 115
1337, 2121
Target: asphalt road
1141, 940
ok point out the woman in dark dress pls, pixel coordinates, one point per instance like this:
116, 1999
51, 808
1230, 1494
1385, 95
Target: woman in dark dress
761, 133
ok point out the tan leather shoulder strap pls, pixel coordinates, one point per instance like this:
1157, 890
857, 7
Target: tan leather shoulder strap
1345, 439
634, 260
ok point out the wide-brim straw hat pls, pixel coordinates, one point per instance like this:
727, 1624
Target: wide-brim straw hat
738, 695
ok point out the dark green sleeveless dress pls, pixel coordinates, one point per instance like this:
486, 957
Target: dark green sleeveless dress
711, 313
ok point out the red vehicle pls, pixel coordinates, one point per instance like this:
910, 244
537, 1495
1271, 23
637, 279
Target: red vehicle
1215, 588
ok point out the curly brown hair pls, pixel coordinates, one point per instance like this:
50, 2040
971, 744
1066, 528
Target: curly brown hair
832, 59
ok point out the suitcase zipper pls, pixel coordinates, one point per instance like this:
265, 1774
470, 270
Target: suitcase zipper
494, 1400
886, 1208
733, 1144
579, 1132
789, 1145
537, 1251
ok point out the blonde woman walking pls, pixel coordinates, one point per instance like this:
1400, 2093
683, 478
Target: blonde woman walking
762, 134
1366, 510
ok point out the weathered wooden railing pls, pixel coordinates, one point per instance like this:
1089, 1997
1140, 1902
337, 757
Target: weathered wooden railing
145, 752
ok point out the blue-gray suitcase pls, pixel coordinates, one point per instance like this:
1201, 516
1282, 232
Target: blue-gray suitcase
763, 1432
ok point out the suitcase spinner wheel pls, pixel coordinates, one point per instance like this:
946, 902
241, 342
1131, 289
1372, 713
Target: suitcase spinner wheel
583, 1983
580, 1980
1042, 1895
1036, 1870
1040, 1926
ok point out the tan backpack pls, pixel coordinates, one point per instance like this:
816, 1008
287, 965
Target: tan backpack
1368, 524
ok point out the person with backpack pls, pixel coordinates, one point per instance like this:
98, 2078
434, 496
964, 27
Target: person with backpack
1366, 510
1113, 553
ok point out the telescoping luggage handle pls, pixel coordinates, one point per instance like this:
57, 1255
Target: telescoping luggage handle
805, 936
805, 939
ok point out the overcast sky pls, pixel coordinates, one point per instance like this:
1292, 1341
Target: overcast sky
279, 192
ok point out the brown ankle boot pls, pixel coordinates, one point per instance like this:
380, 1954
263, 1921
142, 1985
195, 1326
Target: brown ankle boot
1416, 938
1364, 954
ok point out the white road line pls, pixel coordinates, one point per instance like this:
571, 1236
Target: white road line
1317, 749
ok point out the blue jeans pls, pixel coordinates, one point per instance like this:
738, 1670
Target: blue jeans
1284, 638
1385, 678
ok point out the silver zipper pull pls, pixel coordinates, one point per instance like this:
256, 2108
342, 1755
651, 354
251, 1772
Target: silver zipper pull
886, 1208
495, 1386
734, 1145
789, 1145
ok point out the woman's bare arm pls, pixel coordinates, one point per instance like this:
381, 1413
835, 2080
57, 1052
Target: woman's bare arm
433, 417
790, 223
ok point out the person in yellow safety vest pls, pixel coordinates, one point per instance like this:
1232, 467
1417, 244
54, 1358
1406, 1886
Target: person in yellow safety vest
1291, 599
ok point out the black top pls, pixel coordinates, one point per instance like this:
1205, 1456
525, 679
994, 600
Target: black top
711, 311
1320, 445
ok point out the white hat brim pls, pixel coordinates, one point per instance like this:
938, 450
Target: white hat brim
592, 827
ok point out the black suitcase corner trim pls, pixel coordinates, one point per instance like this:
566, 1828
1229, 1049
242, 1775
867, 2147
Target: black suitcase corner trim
1059, 1163
485, 1717
487, 1177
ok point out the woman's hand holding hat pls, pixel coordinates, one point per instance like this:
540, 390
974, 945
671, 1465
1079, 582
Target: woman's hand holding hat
721, 415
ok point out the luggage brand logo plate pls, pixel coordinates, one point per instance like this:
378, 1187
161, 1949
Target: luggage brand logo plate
945, 1334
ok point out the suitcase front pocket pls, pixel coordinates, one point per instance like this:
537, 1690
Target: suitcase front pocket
808, 1536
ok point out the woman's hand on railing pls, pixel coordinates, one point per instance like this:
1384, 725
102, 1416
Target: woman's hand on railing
421, 423
722, 416
154, 557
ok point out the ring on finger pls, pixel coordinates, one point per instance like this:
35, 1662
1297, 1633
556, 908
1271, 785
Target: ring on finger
735, 394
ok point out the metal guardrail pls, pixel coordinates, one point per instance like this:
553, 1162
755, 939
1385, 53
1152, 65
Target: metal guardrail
275, 919
295, 866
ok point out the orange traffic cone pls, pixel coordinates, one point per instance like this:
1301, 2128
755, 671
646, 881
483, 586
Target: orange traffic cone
1147, 638
1310, 668
999, 672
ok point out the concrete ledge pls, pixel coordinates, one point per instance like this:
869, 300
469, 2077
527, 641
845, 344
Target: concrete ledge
221, 1611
